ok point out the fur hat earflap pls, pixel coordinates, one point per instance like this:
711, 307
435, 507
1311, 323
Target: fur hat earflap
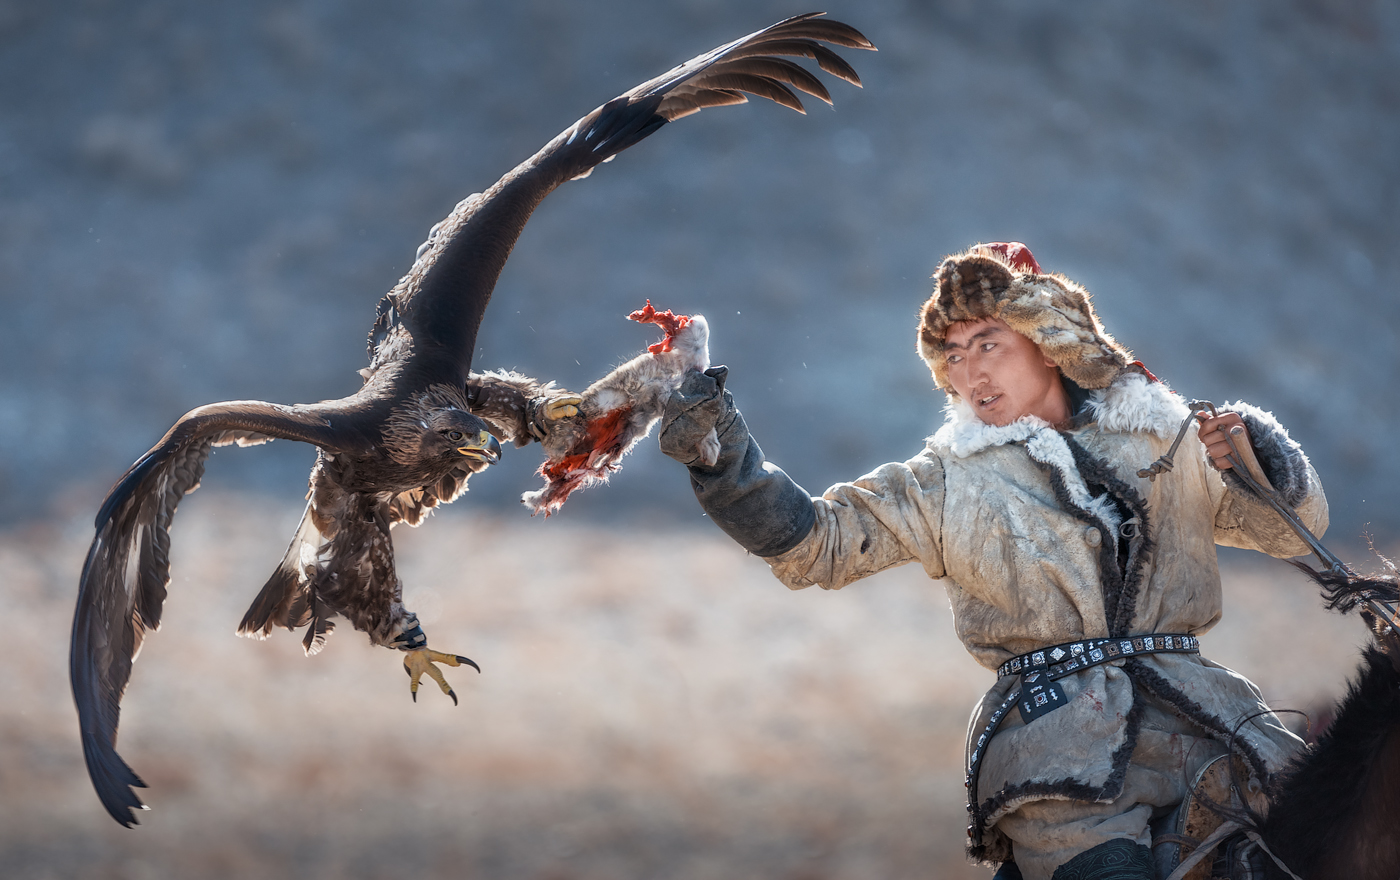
1002, 280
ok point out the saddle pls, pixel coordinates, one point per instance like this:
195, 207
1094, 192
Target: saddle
1179, 834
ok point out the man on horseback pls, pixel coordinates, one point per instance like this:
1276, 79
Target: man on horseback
1081, 583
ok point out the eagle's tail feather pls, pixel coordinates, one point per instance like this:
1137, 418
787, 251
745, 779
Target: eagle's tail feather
319, 627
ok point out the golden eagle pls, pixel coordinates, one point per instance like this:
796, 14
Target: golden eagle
412, 434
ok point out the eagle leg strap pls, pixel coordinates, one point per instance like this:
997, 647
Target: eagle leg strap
410, 639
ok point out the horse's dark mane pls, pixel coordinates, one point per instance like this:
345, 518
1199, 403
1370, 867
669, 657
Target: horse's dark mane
1336, 810
1324, 793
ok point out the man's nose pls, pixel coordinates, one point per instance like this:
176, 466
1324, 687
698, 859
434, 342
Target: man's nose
977, 368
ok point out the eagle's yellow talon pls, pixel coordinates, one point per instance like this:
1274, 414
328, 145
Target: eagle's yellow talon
421, 661
562, 407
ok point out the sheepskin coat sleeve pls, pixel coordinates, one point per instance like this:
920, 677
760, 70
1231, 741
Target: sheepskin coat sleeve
882, 520
1043, 537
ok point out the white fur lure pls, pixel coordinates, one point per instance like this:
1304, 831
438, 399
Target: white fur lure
620, 409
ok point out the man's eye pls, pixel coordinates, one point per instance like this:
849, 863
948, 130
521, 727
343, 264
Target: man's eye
988, 346
953, 358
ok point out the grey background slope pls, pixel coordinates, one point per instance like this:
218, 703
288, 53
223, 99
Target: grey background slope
201, 202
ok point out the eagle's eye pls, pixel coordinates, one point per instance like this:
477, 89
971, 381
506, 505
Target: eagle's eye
454, 436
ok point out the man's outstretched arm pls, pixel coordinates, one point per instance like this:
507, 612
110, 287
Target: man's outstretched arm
886, 518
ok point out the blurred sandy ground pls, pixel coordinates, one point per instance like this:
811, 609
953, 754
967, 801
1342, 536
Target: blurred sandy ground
654, 705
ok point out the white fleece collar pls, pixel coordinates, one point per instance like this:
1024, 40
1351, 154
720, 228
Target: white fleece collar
1131, 404
1134, 404
963, 434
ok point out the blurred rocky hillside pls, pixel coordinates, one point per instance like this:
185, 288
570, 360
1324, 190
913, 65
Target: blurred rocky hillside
205, 201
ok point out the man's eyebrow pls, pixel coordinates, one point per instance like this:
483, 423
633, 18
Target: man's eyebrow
949, 346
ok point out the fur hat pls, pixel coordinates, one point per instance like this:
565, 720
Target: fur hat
1002, 280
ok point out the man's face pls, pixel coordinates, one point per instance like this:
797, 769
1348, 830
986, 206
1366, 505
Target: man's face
1002, 374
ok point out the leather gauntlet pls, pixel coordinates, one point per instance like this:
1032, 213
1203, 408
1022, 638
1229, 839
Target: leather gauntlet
752, 500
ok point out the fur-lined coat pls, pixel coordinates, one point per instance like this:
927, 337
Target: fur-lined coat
1025, 525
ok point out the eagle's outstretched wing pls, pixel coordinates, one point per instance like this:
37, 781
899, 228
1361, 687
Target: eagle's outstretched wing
128, 567
440, 302
420, 345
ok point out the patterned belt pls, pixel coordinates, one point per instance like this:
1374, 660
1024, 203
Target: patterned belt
1060, 660
1056, 662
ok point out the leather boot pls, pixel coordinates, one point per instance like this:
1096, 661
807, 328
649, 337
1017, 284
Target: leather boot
1113, 860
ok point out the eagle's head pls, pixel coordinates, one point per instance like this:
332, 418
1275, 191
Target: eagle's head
449, 434
436, 431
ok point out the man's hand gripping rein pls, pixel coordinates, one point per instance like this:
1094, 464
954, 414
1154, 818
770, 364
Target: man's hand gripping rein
1224, 435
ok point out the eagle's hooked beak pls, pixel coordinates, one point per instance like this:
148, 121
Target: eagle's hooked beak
483, 447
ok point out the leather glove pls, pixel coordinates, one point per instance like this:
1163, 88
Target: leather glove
696, 412
752, 500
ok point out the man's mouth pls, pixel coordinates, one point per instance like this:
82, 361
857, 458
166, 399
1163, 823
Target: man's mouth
988, 400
